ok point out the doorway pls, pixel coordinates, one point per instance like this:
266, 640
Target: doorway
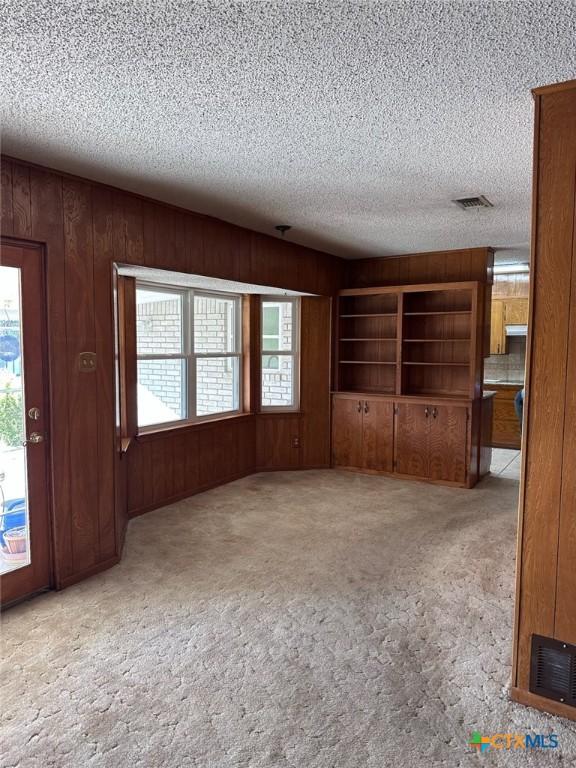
25, 562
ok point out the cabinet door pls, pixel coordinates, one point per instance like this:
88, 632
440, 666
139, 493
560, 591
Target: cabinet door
411, 443
378, 435
516, 312
347, 431
497, 330
448, 443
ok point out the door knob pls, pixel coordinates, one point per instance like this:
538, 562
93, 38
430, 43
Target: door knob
34, 414
35, 437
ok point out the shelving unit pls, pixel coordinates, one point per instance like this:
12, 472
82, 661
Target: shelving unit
410, 340
440, 362
408, 381
368, 342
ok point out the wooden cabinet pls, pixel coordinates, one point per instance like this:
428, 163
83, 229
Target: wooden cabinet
505, 425
515, 311
362, 433
448, 443
511, 311
432, 441
377, 435
412, 438
497, 329
347, 432
408, 381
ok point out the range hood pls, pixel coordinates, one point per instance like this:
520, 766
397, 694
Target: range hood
516, 330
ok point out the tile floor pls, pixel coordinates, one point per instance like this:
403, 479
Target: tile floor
506, 463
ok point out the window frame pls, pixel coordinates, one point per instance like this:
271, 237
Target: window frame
189, 355
294, 352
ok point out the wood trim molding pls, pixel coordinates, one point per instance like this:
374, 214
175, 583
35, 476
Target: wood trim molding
539, 702
544, 90
127, 359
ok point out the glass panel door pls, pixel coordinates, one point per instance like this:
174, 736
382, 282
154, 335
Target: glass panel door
24, 496
14, 529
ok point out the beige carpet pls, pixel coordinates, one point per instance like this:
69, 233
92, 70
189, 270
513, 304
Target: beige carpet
312, 620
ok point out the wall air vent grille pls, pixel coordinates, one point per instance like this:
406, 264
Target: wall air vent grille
553, 669
466, 203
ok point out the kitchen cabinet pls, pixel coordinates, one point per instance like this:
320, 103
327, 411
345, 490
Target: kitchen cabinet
510, 311
362, 433
432, 441
505, 425
497, 328
515, 311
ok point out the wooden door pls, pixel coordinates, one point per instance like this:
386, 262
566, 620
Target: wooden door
347, 431
411, 439
24, 501
448, 442
497, 330
378, 435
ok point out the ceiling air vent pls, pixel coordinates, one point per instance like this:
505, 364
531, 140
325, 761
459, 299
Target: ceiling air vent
466, 203
553, 669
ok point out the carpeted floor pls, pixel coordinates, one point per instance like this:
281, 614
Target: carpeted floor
314, 620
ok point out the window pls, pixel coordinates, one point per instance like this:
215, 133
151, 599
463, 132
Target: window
280, 361
188, 348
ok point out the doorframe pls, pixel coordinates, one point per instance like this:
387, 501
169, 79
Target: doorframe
40, 247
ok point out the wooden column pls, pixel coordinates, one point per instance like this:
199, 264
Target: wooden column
546, 565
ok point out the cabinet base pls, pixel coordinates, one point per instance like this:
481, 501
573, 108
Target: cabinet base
400, 476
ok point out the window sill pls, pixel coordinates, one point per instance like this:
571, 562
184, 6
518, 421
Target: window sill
176, 429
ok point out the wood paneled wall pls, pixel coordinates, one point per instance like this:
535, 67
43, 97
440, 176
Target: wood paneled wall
546, 563
431, 267
516, 285
86, 227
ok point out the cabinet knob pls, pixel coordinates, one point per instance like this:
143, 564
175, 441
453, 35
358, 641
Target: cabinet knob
359, 406
434, 412
366, 409
426, 411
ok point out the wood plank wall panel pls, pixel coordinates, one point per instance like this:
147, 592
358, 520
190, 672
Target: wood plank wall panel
315, 381
432, 267
227, 250
21, 205
516, 285
540, 503
164, 468
48, 227
83, 389
565, 615
6, 198
104, 255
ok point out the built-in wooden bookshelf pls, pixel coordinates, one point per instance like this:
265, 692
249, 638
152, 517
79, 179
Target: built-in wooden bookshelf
368, 342
410, 340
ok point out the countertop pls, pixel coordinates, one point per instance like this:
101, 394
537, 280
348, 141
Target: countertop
503, 383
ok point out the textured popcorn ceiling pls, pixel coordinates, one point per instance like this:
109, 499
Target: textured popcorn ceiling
357, 123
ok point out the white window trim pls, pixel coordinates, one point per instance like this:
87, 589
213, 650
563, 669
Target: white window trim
294, 353
190, 356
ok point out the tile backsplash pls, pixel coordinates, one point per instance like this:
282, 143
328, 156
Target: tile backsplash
509, 367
